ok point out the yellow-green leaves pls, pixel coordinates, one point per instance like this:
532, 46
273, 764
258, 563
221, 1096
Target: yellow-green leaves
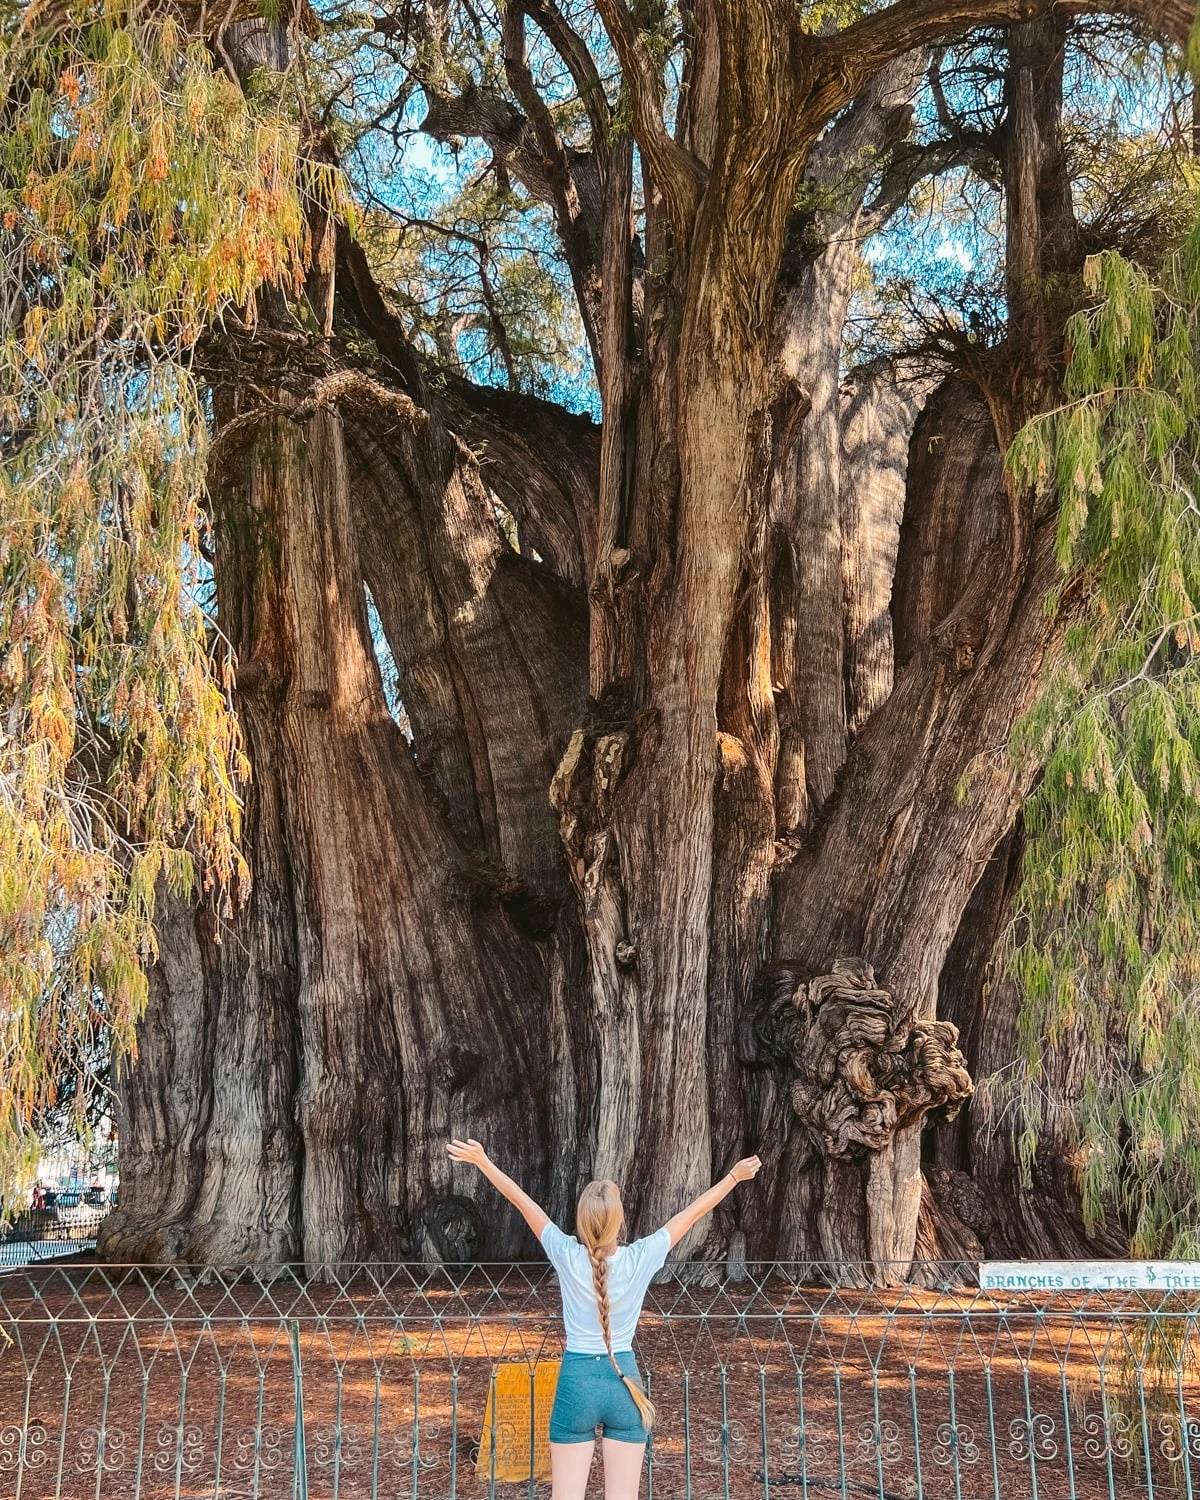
141, 196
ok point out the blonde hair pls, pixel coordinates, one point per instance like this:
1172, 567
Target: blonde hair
599, 1219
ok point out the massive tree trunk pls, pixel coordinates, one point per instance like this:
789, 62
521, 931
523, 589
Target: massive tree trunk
682, 716
922, 803
703, 830
927, 794
378, 997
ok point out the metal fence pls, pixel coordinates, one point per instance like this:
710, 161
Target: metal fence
390, 1381
66, 1226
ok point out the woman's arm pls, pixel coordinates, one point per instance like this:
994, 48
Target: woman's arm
473, 1153
742, 1171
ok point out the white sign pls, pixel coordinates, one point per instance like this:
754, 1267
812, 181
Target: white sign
1089, 1276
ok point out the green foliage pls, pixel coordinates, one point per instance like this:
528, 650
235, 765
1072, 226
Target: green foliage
824, 16
480, 293
141, 196
1107, 951
470, 259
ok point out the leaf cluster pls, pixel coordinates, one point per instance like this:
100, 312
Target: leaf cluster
143, 194
1107, 945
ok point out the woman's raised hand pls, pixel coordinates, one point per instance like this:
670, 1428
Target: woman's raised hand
469, 1151
744, 1170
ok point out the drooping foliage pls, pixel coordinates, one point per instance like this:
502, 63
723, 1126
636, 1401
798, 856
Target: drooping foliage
143, 194
1107, 946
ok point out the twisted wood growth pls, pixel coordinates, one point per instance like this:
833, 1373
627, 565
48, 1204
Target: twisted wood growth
857, 1068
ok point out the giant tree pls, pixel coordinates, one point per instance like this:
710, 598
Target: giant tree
700, 817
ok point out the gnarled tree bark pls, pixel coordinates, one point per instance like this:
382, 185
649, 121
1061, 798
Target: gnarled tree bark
393, 1002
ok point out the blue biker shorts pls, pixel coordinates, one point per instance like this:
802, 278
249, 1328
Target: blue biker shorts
591, 1394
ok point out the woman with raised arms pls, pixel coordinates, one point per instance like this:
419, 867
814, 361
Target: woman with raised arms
603, 1285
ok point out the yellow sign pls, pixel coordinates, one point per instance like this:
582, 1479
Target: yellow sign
518, 1405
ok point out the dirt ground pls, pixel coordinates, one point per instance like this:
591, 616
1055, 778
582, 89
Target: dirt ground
138, 1386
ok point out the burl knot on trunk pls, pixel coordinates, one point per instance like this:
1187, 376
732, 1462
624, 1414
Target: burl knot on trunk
856, 1068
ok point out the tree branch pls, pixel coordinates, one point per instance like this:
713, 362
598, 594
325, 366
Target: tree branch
679, 175
916, 161
571, 47
849, 57
541, 461
490, 117
568, 181
577, 235
696, 122
753, 37
359, 294
520, 80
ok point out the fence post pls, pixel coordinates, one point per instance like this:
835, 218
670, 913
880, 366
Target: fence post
300, 1458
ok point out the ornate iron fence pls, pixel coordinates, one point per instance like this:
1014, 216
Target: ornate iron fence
384, 1381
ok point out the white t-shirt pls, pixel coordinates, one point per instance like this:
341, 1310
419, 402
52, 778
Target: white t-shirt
630, 1270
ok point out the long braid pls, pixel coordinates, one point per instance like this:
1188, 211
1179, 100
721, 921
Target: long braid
600, 1282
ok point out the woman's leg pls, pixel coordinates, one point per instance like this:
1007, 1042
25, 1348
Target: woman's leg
622, 1469
569, 1466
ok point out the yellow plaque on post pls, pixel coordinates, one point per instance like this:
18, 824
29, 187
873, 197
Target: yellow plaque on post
515, 1444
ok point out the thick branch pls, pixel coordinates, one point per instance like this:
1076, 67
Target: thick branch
753, 36
913, 162
1042, 240
678, 173
696, 126
880, 404
571, 47
849, 58
520, 80
568, 181
579, 239
541, 461
359, 295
